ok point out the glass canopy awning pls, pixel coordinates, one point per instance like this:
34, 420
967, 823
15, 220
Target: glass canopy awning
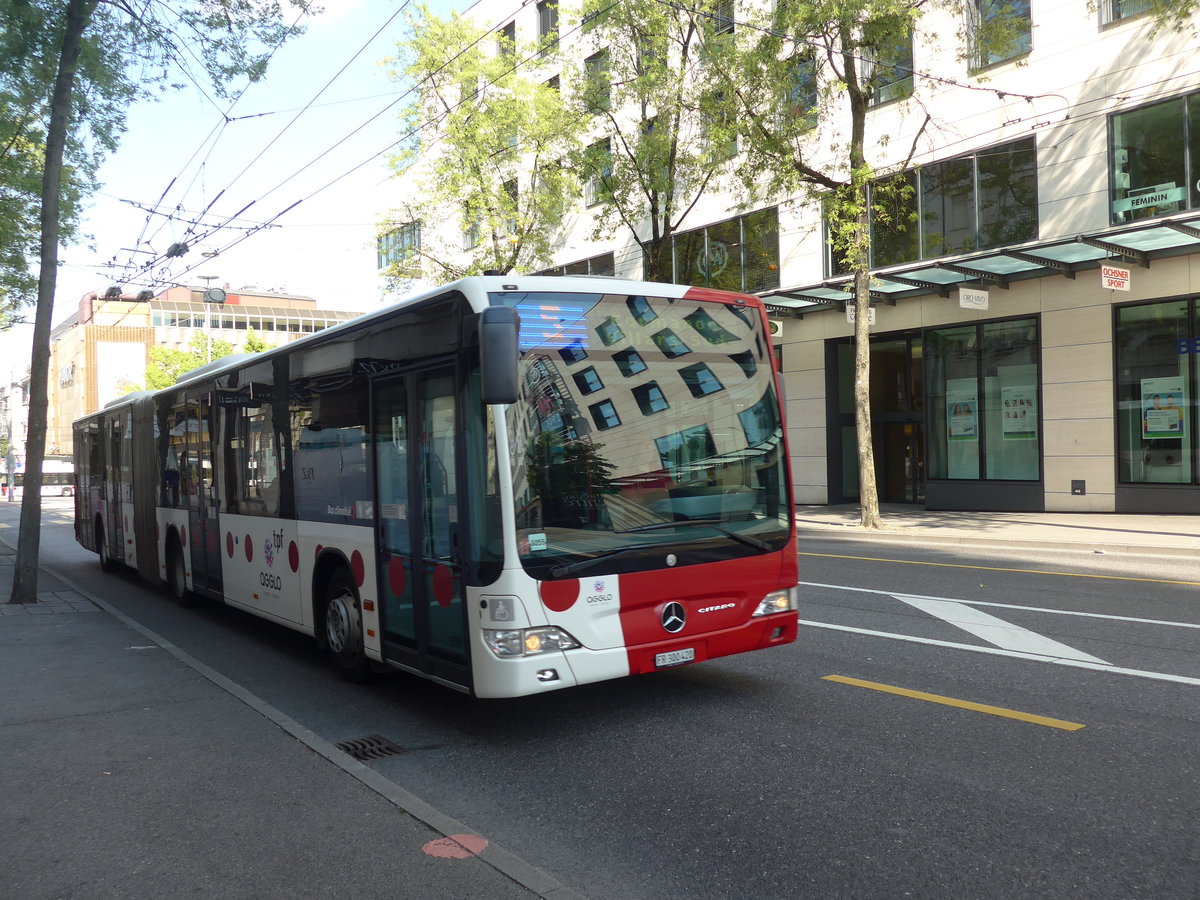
1127, 245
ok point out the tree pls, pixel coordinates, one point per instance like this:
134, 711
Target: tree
168, 363
79, 65
483, 154
662, 133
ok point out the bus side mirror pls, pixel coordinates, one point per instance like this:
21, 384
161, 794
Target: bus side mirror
498, 329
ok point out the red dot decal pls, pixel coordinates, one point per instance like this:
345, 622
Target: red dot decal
293, 556
456, 846
229, 544
443, 586
395, 573
318, 553
559, 596
357, 568
249, 548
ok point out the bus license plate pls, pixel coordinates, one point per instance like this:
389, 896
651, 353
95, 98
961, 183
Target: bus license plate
674, 658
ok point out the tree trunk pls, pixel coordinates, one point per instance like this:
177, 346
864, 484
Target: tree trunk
868, 492
25, 576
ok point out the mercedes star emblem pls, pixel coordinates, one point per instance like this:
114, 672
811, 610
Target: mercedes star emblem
673, 617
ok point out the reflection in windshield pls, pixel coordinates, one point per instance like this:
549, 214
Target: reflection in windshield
643, 421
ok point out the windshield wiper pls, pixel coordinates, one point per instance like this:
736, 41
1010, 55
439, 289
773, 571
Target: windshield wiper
580, 565
714, 524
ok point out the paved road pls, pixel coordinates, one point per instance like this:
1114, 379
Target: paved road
762, 777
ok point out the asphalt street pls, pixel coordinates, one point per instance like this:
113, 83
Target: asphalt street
952, 722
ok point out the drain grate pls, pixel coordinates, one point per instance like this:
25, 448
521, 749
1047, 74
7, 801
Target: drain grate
373, 746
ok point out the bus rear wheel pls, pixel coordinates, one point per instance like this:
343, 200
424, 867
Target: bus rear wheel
176, 576
107, 563
343, 627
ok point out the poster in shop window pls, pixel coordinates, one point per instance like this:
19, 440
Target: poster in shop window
1019, 422
1162, 408
962, 409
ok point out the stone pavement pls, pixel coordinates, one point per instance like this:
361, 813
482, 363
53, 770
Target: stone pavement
132, 770
1109, 532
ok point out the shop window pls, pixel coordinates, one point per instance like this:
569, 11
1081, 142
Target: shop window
1156, 346
983, 407
1151, 166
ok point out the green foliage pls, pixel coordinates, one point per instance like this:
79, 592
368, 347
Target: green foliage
128, 52
671, 121
168, 363
568, 479
253, 343
491, 187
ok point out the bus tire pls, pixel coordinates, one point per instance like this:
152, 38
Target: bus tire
107, 563
176, 575
342, 623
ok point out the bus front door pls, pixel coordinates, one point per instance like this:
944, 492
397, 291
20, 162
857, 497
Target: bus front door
415, 434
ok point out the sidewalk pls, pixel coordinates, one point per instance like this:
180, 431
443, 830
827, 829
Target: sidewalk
1108, 532
132, 770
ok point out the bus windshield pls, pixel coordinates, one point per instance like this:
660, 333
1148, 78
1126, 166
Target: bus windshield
647, 429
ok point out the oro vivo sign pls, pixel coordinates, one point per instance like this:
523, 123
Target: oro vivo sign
1114, 278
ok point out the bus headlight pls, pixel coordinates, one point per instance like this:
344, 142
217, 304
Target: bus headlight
510, 644
777, 601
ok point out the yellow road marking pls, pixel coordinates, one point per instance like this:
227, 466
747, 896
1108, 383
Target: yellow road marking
919, 562
961, 704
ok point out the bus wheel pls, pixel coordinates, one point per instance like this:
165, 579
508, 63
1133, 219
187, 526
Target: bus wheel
343, 627
107, 563
176, 577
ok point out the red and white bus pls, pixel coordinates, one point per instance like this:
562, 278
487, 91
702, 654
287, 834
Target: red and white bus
509, 485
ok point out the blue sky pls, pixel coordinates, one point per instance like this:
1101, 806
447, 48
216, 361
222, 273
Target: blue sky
324, 247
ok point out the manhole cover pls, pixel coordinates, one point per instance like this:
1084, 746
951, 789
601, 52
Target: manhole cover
373, 746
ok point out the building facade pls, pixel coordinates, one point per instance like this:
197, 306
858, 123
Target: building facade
1036, 323
101, 352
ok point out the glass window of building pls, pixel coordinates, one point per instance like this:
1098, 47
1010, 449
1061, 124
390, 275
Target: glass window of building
650, 399
610, 332
1116, 10
1153, 172
1156, 345
604, 414
629, 362
639, 307
975, 202
740, 254
573, 352
700, 380
588, 381
983, 415
892, 75
1003, 30
670, 344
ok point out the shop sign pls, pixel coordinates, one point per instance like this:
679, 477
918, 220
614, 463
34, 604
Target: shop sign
1114, 278
970, 298
850, 314
1159, 196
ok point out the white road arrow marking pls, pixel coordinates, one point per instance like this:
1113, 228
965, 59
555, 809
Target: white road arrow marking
996, 631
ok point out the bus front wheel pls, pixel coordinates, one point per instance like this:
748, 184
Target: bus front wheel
343, 627
107, 563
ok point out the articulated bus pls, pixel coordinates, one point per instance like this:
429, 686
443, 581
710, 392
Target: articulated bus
508, 485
